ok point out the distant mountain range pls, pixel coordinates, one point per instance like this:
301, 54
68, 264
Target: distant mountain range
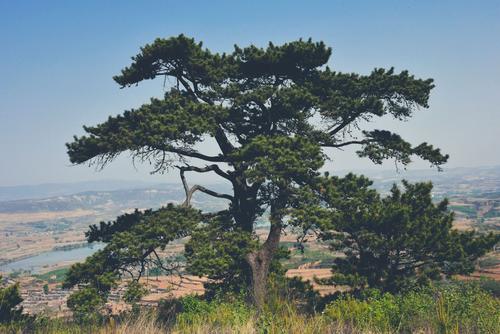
449, 182
117, 194
109, 200
10, 193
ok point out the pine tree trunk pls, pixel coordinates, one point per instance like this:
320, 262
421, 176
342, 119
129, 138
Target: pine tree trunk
260, 262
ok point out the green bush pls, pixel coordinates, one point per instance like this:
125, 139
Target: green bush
415, 310
10, 299
378, 312
215, 314
447, 308
86, 305
491, 286
466, 307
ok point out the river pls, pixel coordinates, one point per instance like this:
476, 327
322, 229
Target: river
37, 262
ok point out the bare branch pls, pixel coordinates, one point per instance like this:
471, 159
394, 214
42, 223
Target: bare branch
211, 168
210, 192
347, 143
186, 187
195, 154
174, 270
190, 191
209, 215
344, 123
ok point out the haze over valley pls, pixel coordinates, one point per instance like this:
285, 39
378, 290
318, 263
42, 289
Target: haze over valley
54, 217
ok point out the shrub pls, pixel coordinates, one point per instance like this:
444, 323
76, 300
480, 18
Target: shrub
9, 303
197, 313
86, 305
467, 307
379, 313
446, 308
491, 286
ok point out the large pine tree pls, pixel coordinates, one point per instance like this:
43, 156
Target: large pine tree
272, 112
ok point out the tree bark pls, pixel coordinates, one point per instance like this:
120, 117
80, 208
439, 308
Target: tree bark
260, 262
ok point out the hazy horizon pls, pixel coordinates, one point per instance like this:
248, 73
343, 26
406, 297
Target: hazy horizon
58, 60
153, 181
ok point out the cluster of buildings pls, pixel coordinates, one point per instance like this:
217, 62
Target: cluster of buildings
52, 302
50, 299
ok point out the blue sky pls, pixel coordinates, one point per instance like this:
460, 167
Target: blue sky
57, 59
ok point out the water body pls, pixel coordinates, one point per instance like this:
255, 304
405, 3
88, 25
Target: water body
36, 263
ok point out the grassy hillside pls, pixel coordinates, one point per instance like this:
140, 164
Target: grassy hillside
448, 308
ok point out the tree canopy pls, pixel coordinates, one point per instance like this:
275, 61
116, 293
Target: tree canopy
273, 113
391, 243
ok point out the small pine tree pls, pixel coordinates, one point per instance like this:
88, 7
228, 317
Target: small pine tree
10, 299
396, 242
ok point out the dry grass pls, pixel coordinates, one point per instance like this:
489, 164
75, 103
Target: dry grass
293, 324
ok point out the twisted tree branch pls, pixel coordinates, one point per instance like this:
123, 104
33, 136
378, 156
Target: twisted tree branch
190, 191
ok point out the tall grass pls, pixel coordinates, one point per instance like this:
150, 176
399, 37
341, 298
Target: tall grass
456, 308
